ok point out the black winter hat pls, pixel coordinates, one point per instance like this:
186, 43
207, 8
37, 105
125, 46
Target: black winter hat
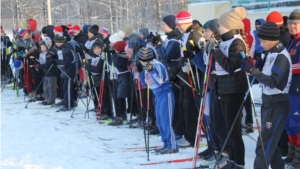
59, 39
269, 31
146, 54
94, 29
170, 21
213, 25
97, 43
44, 30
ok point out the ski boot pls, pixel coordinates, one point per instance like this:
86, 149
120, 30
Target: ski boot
291, 154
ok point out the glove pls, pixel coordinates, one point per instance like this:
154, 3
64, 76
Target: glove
186, 67
246, 65
213, 46
139, 67
102, 56
188, 54
259, 64
174, 70
84, 48
149, 67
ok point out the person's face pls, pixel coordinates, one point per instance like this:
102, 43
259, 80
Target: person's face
294, 28
27, 35
104, 36
75, 33
97, 50
223, 30
207, 34
129, 54
257, 27
43, 48
90, 35
183, 27
58, 44
165, 27
142, 36
267, 45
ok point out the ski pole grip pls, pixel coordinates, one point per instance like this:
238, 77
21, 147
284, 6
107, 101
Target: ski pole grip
243, 54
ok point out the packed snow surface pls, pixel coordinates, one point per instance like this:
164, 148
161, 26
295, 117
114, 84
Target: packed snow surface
41, 138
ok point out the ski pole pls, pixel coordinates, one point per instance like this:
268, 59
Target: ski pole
141, 106
112, 92
256, 117
100, 100
148, 107
78, 97
184, 81
39, 85
202, 108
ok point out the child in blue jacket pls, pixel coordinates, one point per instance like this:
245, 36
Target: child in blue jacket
154, 74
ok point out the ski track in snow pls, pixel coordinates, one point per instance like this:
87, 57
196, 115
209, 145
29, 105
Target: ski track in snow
40, 138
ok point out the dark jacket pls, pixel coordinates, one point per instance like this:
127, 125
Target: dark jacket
170, 49
234, 82
294, 50
96, 69
120, 62
51, 57
285, 36
66, 60
192, 47
107, 48
50, 33
81, 38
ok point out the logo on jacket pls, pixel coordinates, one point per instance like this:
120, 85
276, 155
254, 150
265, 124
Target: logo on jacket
293, 52
296, 113
268, 125
271, 60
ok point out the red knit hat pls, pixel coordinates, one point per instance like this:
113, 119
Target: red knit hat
275, 17
183, 17
58, 30
120, 46
76, 28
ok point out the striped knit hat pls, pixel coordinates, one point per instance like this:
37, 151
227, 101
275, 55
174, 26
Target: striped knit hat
146, 54
22, 32
183, 17
104, 31
269, 31
294, 16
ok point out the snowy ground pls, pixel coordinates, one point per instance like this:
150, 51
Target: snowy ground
40, 138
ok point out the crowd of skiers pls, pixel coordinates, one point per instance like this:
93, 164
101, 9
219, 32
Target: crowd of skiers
197, 69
